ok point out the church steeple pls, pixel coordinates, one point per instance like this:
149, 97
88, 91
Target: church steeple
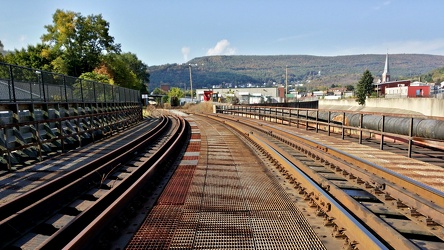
386, 73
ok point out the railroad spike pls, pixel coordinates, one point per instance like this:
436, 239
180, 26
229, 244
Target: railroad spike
388, 197
430, 222
414, 212
329, 222
378, 191
400, 204
368, 185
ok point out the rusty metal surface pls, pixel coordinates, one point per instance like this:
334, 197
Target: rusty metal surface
324, 145
232, 202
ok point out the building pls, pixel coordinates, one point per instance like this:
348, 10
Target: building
415, 89
386, 73
384, 82
400, 89
381, 87
246, 95
165, 87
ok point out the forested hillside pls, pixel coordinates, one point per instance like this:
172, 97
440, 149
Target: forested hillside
310, 70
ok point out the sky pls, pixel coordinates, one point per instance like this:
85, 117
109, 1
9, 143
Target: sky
176, 31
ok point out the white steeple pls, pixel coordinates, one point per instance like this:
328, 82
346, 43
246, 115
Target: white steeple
386, 73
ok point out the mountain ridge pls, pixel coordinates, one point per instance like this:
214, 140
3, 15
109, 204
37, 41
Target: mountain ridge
264, 70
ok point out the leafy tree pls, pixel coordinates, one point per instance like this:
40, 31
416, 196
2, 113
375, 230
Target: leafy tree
119, 72
158, 91
138, 68
174, 95
350, 87
175, 92
33, 57
364, 87
78, 41
93, 76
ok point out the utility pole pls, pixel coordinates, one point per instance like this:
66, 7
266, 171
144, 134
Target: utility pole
191, 84
286, 83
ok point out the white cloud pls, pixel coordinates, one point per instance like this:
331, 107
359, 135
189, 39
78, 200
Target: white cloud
185, 53
382, 5
222, 48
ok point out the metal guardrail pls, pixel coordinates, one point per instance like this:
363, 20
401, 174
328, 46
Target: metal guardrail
22, 84
406, 127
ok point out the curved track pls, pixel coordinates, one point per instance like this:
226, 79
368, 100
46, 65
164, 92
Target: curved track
222, 195
73, 209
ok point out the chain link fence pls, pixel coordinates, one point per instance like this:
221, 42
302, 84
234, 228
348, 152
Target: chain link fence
21, 84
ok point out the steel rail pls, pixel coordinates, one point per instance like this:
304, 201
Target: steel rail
323, 199
344, 219
432, 199
354, 229
421, 200
88, 225
29, 209
84, 239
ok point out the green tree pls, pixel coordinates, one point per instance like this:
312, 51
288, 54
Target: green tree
78, 41
138, 68
93, 76
119, 72
350, 87
174, 95
158, 91
364, 87
33, 56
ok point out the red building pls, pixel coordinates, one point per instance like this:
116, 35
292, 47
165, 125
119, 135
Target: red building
419, 91
412, 91
380, 87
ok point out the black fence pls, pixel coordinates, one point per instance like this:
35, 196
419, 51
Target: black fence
21, 84
305, 105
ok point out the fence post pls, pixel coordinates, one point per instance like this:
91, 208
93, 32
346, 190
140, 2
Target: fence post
410, 138
317, 120
81, 89
94, 91
43, 86
12, 85
66, 89
381, 145
361, 117
329, 121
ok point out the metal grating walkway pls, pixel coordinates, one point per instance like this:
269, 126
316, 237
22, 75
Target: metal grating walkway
227, 200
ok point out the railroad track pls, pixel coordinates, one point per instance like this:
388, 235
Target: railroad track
229, 199
79, 207
369, 205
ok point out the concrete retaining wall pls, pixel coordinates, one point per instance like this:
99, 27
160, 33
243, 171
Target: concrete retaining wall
425, 106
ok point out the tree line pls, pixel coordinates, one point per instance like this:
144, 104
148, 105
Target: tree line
81, 46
